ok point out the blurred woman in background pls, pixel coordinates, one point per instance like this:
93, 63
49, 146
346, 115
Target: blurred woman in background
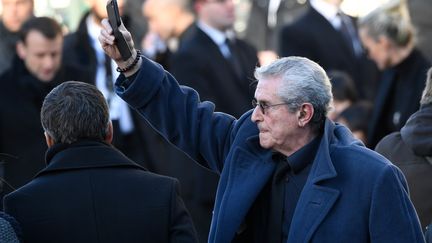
389, 38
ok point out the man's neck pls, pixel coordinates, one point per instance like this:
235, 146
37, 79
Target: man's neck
298, 143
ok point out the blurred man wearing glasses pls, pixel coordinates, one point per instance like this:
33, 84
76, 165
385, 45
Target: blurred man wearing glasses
287, 172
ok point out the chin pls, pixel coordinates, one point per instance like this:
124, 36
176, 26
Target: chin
265, 144
46, 78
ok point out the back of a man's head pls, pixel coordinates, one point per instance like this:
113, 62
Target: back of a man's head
75, 111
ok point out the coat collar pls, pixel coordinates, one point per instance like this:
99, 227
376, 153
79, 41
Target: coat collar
240, 185
315, 200
84, 155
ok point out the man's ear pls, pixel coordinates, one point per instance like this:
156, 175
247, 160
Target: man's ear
49, 140
110, 133
305, 114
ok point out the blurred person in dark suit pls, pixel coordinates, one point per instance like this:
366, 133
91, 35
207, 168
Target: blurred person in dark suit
81, 50
388, 36
213, 61
14, 13
90, 191
411, 150
328, 36
35, 71
169, 22
266, 18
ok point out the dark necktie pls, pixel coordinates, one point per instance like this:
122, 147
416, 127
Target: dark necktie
349, 33
109, 79
233, 58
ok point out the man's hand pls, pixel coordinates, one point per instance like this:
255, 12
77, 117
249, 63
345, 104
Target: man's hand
107, 41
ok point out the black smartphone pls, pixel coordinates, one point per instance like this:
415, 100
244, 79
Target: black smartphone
115, 22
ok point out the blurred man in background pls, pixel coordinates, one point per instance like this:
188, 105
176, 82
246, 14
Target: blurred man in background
213, 61
15, 12
266, 18
35, 71
326, 35
169, 22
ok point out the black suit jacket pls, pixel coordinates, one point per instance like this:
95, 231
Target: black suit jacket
90, 192
259, 33
198, 63
78, 51
314, 37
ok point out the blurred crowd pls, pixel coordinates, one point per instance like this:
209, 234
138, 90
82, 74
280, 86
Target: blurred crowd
378, 65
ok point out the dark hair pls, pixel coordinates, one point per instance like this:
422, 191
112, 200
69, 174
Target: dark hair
343, 87
48, 27
73, 111
357, 116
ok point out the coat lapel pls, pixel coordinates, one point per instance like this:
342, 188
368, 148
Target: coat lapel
316, 200
97, 155
245, 181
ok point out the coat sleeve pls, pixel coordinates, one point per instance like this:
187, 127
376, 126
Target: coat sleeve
181, 225
392, 216
177, 113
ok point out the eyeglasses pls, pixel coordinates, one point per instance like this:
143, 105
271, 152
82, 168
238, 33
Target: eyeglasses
263, 106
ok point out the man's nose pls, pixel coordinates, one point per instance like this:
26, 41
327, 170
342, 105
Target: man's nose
256, 115
49, 62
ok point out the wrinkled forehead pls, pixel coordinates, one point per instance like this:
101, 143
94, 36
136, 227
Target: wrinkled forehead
267, 88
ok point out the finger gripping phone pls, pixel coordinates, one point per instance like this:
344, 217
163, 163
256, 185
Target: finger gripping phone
115, 22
